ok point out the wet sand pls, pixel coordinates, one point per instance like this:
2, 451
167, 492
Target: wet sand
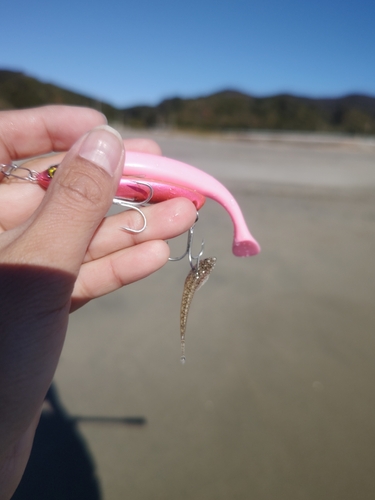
276, 399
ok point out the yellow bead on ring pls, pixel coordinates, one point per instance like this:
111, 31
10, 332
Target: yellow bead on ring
51, 171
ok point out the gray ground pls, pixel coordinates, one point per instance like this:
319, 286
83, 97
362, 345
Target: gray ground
277, 398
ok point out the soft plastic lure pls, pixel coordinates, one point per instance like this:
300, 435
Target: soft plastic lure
171, 178
196, 278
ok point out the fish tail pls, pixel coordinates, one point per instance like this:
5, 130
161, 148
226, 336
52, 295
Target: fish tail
183, 357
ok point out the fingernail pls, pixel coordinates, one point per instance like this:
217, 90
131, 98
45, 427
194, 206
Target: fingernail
103, 146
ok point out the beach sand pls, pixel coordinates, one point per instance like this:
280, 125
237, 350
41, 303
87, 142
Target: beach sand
276, 399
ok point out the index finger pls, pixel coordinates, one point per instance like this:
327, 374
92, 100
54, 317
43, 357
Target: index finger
36, 131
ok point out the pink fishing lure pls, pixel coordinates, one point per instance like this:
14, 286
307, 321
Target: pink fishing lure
171, 178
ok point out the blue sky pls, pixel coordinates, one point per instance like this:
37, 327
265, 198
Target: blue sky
133, 52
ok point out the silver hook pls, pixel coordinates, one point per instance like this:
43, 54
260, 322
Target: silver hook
193, 259
134, 205
139, 203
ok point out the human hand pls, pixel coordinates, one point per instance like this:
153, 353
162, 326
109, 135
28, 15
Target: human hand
57, 252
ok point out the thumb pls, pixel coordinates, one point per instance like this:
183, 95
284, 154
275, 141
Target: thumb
77, 200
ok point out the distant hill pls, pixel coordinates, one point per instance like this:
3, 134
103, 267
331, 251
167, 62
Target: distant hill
228, 110
231, 110
18, 90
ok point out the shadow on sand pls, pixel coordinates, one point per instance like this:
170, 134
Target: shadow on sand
60, 465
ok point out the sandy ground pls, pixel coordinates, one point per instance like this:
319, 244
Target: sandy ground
277, 399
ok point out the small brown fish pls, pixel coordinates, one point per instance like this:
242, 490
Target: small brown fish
194, 281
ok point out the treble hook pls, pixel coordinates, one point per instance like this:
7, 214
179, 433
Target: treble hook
134, 205
193, 259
